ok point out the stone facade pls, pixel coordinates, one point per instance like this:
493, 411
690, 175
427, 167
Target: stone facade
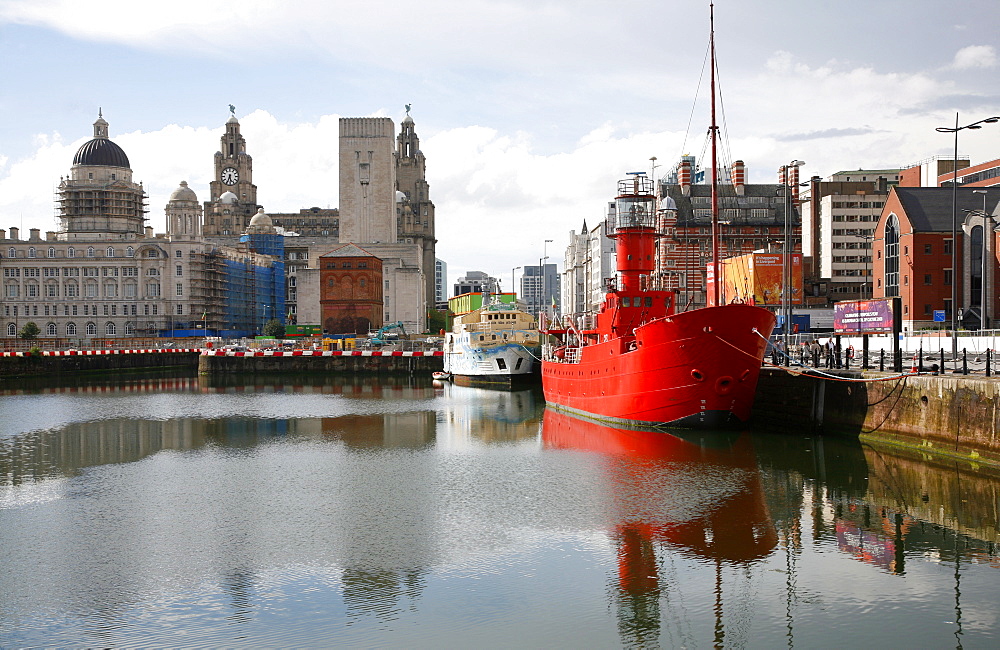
367, 181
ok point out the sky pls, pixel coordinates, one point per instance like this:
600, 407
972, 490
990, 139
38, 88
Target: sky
528, 112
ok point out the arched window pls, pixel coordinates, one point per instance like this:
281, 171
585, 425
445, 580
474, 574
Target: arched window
70, 329
11, 329
892, 257
50, 329
91, 329
51, 252
90, 251
130, 329
31, 251
110, 329
71, 252
111, 251
11, 253
129, 252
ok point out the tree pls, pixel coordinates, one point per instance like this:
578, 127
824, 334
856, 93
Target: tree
29, 331
437, 320
274, 328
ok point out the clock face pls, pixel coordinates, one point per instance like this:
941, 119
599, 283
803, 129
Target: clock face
230, 176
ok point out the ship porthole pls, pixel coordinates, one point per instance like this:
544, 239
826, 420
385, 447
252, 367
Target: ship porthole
723, 385
697, 375
708, 329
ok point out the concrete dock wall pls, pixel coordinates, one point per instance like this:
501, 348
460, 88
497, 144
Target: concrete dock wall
387, 363
947, 416
50, 363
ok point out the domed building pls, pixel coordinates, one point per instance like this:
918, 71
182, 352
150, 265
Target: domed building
99, 199
183, 213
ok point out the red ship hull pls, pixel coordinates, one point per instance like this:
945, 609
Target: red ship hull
691, 369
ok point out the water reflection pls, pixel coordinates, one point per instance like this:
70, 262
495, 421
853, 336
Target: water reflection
328, 511
697, 495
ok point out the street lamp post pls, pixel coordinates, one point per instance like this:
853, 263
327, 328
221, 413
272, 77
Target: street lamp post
954, 220
541, 272
512, 285
786, 281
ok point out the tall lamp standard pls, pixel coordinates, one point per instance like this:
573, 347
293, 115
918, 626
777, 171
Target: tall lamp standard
786, 262
541, 272
512, 285
954, 220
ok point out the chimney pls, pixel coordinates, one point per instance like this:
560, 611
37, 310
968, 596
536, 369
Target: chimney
684, 177
149, 232
3, 234
793, 180
782, 175
15, 234
739, 177
35, 234
50, 235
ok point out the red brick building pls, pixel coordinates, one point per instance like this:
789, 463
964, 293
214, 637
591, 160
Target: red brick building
751, 218
350, 290
913, 255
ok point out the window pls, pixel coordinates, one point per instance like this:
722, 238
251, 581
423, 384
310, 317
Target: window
71, 252
12, 291
110, 329
129, 252
11, 329
153, 290
110, 290
892, 256
11, 253
31, 251
91, 329
180, 289
50, 329
180, 270
51, 252
90, 290
928, 249
927, 278
90, 251
178, 254
111, 252
129, 328
70, 329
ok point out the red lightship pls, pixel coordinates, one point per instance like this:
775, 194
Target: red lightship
640, 362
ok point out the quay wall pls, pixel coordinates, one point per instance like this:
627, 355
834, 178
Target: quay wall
944, 418
306, 361
55, 363
211, 362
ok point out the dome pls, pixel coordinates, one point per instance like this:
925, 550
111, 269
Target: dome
184, 193
400, 197
228, 197
232, 120
407, 119
101, 151
668, 203
260, 219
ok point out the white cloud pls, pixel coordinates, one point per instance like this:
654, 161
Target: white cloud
975, 56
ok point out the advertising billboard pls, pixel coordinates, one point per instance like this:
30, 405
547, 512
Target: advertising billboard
756, 279
863, 316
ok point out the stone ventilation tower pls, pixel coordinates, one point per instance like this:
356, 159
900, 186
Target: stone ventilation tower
233, 196
183, 213
99, 199
414, 209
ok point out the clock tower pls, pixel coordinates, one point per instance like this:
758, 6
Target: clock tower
233, 196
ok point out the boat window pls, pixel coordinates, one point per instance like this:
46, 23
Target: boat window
649, 301
625, 301
501, 364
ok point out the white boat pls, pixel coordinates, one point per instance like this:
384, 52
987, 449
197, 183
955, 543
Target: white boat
439, 375
497, 344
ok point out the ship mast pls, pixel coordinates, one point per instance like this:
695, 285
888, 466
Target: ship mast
714, 129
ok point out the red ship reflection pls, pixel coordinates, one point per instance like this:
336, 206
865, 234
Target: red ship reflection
696, 493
